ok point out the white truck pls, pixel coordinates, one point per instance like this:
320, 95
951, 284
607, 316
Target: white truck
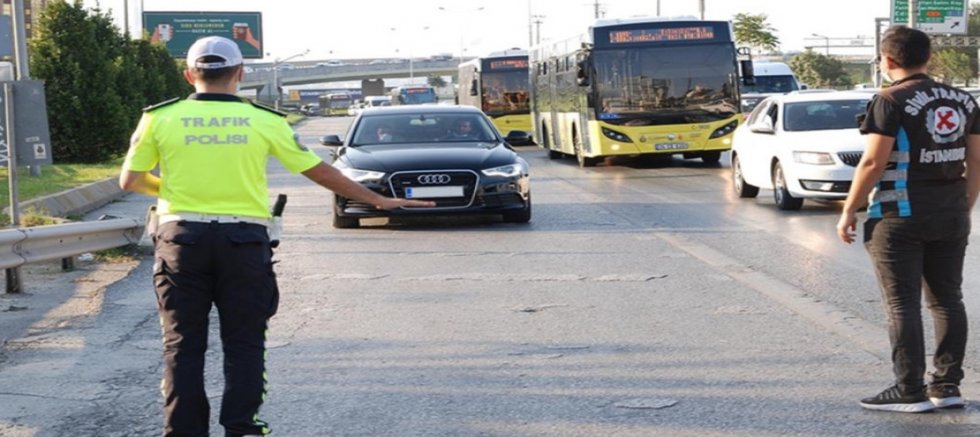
770, 78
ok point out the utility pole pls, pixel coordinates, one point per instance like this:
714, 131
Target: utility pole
913, 13
598, 10
20, 39
658, 8
537, 25
530, 26
126, 18
701, 8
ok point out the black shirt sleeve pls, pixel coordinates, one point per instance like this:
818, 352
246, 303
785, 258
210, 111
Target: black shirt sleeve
975, 119
883, 117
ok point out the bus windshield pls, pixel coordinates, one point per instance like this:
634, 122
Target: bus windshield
665, 85
771, 84
505, 92
415, 96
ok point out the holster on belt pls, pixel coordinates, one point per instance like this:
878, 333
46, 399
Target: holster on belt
150, 225
275, 231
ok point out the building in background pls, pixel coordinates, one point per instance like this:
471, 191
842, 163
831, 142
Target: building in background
32, 11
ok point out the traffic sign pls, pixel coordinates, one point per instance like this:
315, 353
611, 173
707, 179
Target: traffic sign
935, 16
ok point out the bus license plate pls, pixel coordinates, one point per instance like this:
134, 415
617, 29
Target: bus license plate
433, 192
670, 146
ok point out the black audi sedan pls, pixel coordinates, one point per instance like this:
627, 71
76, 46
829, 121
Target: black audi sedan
451, 155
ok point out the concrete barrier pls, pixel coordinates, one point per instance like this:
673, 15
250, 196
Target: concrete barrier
76, 201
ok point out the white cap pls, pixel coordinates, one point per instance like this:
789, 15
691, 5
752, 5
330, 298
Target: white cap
221, 47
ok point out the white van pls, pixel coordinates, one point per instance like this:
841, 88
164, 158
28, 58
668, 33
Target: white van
770, 78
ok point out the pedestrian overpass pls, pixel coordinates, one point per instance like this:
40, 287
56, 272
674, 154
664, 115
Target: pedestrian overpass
263, 80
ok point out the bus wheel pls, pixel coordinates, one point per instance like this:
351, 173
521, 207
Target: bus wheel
711, 157
583, 161
554, 154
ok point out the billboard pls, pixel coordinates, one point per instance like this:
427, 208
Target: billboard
178, 30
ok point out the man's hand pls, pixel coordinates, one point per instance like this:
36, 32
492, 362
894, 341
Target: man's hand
846, 227
393, 203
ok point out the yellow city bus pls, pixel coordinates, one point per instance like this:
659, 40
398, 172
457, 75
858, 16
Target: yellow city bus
498, 84
638, 87
335, 104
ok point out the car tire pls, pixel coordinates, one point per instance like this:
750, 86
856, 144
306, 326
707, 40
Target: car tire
521, 216
711, 157
743, 189
784, 200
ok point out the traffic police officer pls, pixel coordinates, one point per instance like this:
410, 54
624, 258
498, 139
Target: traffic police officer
922, 138
212, 243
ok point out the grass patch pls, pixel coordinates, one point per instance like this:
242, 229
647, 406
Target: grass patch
119, 254
55, 178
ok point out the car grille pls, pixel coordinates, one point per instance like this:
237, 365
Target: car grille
465, 178
494, 200
850, 158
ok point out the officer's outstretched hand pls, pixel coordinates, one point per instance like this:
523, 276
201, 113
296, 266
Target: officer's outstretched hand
393, 203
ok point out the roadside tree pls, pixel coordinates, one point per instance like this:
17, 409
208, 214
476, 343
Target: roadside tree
436, 81
75, 55
755, 31
819, 70
96, 80
951, 65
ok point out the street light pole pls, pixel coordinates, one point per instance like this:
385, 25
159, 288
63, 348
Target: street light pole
537, 26
462, 13
275, 75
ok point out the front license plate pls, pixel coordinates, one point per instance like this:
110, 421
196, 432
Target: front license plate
670, 146
433, 192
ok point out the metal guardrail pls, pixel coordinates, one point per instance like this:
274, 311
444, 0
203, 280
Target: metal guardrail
46, 243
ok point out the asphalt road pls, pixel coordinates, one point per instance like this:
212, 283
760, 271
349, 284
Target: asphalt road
639, 301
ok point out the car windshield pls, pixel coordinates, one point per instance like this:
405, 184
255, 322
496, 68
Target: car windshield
823, 115
771, 84
423, 128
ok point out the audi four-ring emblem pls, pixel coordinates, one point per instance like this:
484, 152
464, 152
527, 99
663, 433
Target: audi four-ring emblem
434, 179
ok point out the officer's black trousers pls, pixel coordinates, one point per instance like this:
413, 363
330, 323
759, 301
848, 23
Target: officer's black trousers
911, 255
229, 265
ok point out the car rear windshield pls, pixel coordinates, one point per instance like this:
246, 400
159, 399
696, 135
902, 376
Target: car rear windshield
421, 128
823, 115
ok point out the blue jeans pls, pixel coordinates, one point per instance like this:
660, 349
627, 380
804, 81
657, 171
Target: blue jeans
911, 255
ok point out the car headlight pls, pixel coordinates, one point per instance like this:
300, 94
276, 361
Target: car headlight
506, 171
724, 130
813, 158
618, 136
362, 176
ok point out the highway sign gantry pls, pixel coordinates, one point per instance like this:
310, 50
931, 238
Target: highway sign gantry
935, 16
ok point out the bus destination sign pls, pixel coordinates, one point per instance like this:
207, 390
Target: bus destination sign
508, 64
692, 33
417, 90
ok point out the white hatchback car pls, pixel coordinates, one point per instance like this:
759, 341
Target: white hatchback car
800, 145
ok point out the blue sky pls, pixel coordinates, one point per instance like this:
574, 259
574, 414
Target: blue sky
363, 28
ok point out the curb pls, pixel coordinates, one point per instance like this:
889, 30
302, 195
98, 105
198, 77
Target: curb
76, 201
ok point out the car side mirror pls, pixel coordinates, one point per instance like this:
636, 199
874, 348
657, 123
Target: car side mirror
748, 72
582, 73
331, 140
518, 138
804, 86
763, 126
